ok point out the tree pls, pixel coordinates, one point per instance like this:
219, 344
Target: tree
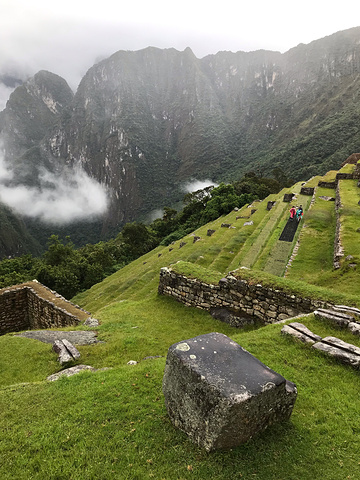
137, 239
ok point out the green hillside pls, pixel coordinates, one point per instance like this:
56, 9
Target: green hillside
113, 423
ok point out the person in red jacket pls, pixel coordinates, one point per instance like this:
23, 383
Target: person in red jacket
292, 212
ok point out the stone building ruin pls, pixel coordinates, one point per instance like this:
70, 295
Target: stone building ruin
31, 305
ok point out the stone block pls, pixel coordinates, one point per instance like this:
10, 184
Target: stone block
91, 322
327, 199
354, 328
74, 352
70, 371
63, 354
66, 351
220, 395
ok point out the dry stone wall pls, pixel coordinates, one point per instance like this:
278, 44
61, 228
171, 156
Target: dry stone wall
13, 310
338, 248
22, 308
240, 298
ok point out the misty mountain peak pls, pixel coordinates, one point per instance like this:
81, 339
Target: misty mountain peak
31, 110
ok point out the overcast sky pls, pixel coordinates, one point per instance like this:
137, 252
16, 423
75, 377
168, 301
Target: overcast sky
67, 37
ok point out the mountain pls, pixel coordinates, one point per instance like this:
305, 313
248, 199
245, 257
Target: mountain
31, 109
143, 123
15, 238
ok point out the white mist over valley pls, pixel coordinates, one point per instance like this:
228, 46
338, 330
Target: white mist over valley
58, 200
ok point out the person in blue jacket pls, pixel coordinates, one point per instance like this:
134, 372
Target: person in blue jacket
299, 213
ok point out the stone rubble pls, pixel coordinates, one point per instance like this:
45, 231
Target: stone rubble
66, 351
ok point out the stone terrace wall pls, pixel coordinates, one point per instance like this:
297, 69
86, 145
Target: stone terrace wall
357, 171
22, 308
13, 310
266, 304
338, 248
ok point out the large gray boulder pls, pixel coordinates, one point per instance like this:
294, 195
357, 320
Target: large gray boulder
219, 394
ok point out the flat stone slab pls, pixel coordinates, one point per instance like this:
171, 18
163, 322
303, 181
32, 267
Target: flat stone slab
327, 199
302, 333
49, 336
339, 318
219, 394
344, 352
70, 371
348, 310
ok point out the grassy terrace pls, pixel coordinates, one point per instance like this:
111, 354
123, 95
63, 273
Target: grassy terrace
279, 252
350, 218
315, 254
329, 176
112, 424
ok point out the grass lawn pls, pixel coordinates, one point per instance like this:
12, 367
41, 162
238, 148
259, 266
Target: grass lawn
113, 423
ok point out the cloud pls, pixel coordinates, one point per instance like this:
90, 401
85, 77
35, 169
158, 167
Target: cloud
57, 199
38, 35
194, 185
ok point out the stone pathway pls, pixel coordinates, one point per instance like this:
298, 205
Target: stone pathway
49, 336
289, 230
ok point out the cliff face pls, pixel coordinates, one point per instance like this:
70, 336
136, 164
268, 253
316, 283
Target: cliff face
142, 123
31, 109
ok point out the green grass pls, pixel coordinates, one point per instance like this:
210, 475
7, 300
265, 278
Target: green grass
347, 168
329, 176
113, 424
313, 181
260, 218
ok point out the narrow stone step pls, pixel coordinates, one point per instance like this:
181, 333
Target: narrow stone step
340, 319
344, 352
348, 310
299, 331
337, 342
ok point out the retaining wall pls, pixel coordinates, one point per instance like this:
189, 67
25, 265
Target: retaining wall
22, 308
238, 297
